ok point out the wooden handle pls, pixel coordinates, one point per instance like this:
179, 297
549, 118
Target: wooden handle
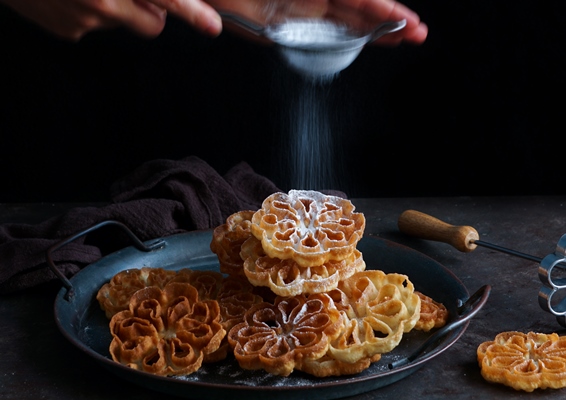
424, 226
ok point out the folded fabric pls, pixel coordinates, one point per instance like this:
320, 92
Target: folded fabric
160, 198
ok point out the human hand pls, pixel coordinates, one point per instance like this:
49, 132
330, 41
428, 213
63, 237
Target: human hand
72, 19
361, 14
369, 13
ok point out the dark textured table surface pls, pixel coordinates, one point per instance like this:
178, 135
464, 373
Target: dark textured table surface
37, 362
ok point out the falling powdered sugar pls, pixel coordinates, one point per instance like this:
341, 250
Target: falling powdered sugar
311, 136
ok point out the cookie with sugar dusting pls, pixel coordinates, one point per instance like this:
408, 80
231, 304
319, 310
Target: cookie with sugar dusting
307, 226
279, 337
288, 278
377, 308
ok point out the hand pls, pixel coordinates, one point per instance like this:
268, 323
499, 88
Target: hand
363, 14
370, 13
72, 19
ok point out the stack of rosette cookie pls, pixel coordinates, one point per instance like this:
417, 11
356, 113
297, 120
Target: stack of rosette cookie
330, 316
293, 293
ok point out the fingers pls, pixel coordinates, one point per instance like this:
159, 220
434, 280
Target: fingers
83, 16
140, 16
375, 11
196, 12
74, 19
415, 36
415, 31
148, 17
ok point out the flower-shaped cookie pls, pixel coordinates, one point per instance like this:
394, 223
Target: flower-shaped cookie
524, 361
207, 283
114, 296
433, 314
308, 227
378, 308
278, 337
227, 240
166, 331
287, 278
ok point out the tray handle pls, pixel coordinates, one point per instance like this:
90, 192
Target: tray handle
135, 241
465, 312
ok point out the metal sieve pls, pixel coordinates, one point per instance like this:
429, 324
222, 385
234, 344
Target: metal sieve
314, 47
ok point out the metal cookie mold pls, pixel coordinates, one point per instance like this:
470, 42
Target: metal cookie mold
553, 283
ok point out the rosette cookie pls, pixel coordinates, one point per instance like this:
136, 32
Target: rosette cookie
524, 361
227, 240
308, 227
280, 337
166, 331
115, 295
288, 278
378, 308
433, 314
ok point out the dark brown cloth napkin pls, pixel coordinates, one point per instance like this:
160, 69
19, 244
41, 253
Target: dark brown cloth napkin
160, 198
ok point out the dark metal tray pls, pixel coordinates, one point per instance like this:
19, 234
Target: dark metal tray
84, 324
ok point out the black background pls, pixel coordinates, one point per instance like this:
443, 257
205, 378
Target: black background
478, 109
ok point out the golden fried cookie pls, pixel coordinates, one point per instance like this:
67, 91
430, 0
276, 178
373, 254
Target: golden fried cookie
279, 337
114, 296
287, 278
524, 361
433, 314
329, 366
233, 293
378, 309
307, 226
235, 297
227, 240
207, 283
166, 331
